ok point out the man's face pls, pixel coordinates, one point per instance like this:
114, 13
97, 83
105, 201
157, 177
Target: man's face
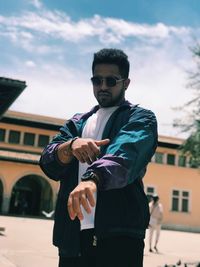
107, 95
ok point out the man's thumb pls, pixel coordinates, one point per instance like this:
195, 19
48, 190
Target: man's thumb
102, 142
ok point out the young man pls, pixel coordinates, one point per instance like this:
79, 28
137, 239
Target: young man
100, 158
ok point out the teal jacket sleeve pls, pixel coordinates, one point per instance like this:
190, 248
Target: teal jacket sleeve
126, 157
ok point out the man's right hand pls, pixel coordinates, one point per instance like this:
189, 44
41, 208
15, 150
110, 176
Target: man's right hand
87, 150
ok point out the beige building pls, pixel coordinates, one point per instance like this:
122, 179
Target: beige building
170, 176
25, 190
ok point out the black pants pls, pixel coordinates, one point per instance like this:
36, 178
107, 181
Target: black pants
120, 251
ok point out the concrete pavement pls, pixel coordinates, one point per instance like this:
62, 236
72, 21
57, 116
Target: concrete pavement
26, 242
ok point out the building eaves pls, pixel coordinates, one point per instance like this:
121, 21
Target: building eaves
19, 157
10, 89
32, 120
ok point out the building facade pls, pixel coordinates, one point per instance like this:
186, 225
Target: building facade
25, 190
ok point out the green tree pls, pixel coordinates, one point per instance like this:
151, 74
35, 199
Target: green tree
191, 122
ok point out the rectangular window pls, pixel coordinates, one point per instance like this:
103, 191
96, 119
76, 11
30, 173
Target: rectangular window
170, 159
159, 157
14, 137
149, 192
185, 205
29, 139
175, 204
185, 201
180, 201
43, 140
2, 135
182, 161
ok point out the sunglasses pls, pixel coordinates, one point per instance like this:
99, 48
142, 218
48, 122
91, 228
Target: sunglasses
110, 81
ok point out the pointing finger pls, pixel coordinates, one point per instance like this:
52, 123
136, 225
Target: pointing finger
102, 142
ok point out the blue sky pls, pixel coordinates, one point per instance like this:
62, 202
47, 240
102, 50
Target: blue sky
50, 45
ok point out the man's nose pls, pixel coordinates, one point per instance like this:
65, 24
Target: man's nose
104, 85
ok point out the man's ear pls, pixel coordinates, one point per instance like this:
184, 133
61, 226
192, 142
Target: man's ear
126, 83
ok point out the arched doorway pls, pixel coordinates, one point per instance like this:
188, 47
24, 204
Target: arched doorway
1, 195
30, 195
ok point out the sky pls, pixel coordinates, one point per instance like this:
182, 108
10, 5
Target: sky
50, 45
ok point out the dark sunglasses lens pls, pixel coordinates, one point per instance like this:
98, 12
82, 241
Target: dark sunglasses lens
110, 81
96, 81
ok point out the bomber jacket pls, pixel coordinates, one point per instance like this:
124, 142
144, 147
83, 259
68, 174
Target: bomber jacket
122, 206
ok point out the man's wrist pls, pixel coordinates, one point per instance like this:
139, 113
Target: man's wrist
68, 150
90, 176
64, 151
71, 142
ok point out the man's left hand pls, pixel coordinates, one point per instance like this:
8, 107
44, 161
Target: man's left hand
82, 195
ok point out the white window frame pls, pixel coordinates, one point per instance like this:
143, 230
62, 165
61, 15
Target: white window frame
180, 200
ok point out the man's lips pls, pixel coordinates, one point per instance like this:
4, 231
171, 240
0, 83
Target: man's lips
104, 94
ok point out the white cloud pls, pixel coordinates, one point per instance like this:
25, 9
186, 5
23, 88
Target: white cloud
36, 3
58, 25
30, 64
127, 29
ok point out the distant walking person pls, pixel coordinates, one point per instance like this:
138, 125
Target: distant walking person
156, 212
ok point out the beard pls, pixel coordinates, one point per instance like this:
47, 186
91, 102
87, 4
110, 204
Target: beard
105, 99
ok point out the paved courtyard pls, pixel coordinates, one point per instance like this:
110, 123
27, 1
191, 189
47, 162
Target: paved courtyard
27, 243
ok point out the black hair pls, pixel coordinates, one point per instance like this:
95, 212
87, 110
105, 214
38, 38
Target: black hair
112, 56
155, 198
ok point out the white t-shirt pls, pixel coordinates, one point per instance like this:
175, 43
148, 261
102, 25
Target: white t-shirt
94, 128
156, 211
